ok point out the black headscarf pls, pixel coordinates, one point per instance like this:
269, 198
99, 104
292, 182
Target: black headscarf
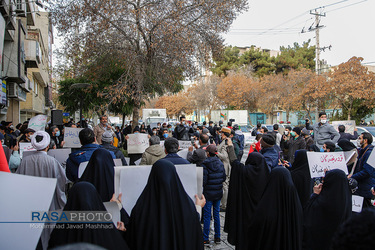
277, 220
325, 212
164, 216
100, 172
301, 176
246, 187
346, 145
84, 197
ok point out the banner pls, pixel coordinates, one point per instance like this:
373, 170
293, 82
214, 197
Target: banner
349, 126
71, 137
319, 162
133, 180
21, 195
184, 144
357, 203
61, 154
25, 146
38, 123
137, 143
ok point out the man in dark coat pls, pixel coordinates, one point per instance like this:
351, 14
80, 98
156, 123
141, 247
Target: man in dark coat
181, 132
171, 148
347, 136
295, 143
107, 143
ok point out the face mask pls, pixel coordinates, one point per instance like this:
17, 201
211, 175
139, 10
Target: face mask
286, 132
158, 126
323, 121
322, 150
312, 133
57, 133
11, 126
165, 135
154, 132
293, 133
169, 129
183, 123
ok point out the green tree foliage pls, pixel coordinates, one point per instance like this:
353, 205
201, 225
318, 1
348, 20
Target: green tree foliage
261, 62
295, 57
228, 60
359, 111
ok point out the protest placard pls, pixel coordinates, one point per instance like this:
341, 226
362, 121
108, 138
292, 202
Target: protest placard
137, 143
117, 162
200, 181
82, 168
183, 153
349, 126
61, 154
71, 137
184, 144
112, 208
133, 180
25, 146
371, 159
21, 195
348, 156
357, 203
319, 162
38, 123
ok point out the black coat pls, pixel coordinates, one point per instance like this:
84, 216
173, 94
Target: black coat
324, 213
246, 187
182, 133
83, 197
213, 178
164, 216
293, 145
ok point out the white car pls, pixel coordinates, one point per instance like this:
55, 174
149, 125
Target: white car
370, 130
249, 139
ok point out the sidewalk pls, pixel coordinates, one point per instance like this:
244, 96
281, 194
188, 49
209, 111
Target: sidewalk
224, 243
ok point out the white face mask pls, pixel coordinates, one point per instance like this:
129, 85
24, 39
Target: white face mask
359, 143
286, 132
323, 121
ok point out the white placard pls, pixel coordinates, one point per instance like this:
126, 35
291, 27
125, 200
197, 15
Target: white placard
117, 162
38, 123
133, 180
348, 156
184, 144
371, 159
127, 160
137, 143
199, 180
138, 161
183, 153
82, 168
162, 143
117, 179
349, 126
113, 209
61, 154
357, 203
71, 137
318, 162
21, 195
25, 146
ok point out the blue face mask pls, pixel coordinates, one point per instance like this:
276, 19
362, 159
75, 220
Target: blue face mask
321, 149
57, 133
165, 135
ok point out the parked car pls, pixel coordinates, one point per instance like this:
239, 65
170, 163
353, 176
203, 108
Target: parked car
249, 139
370, 130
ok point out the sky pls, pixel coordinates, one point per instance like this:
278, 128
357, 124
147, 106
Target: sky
349, 27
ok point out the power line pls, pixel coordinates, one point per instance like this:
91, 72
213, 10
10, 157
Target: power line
347, 6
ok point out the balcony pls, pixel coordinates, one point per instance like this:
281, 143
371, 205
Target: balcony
41, 76
33, 53
30, 13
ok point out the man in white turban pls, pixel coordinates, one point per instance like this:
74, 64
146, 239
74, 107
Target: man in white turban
42, 165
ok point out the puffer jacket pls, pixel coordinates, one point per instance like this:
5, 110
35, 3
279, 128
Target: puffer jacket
152, 154
213, 178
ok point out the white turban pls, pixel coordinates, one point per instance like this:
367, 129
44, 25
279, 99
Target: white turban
44, 143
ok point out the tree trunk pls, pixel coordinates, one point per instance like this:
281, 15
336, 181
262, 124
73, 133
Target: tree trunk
287, 115
123, 121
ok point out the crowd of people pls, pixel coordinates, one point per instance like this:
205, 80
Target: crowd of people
270, 201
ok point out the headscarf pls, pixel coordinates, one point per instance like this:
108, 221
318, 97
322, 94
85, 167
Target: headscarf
277, 220
325, 212
246, 187
346, 145
164, 216
44, 143
100, 172
83, 197
301, 176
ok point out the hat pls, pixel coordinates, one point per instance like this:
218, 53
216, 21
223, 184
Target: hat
225, 130
205, 131
297, 130
211, 149
44, 143
267, 141
107, 137
305, 131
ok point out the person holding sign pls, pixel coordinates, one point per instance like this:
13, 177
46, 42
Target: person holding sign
364, 172
327, 209
164, 216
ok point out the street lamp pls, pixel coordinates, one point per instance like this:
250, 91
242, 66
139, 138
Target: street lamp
80, 86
